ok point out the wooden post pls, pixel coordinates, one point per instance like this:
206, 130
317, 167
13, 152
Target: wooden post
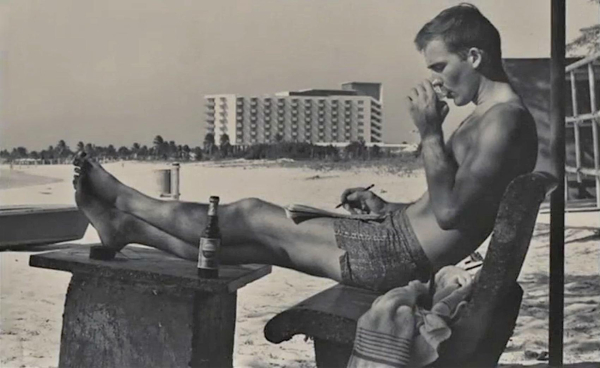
576, 126
557, 201
594, 111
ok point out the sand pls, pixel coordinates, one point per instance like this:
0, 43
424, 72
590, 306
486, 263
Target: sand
32, 299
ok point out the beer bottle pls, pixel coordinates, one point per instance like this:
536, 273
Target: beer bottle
210, 242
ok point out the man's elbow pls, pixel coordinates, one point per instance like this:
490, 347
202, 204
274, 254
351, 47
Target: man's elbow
447, 220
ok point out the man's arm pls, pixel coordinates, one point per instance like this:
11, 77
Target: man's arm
455, 191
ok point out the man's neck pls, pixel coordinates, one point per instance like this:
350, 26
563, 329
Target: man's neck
492, 92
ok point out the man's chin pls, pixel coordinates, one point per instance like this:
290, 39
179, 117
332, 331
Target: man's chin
458, 102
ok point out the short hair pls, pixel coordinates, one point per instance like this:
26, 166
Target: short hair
462, 27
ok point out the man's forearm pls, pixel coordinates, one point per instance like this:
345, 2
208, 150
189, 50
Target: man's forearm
440, 171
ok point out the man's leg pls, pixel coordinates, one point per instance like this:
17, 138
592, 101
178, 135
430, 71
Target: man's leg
253, 231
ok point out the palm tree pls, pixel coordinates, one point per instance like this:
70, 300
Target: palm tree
209, 143
89, 149
158, 144
224, 144
62, 150
143, 152
197, 153
171, 149
111, 151
186, 152
123, 152
135, 148
50, 152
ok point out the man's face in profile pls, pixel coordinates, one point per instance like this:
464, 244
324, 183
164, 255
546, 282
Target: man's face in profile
455, 74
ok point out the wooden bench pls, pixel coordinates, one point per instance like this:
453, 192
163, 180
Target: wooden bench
147, 311
330, 316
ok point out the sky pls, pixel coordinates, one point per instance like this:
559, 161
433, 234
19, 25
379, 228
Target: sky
123, 71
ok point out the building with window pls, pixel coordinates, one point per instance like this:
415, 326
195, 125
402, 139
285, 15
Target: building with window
351, 113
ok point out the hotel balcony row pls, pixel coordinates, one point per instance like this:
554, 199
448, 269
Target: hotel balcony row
279, 102
295, 136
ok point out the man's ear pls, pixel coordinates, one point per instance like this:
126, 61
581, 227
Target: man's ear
475, 57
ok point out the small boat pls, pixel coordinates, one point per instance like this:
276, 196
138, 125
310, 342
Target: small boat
40, 224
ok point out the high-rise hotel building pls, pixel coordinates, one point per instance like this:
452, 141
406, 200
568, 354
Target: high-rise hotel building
318, 116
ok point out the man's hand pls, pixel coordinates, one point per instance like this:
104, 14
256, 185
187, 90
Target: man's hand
361, 201
427, 111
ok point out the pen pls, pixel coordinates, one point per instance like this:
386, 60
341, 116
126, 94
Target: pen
367, 188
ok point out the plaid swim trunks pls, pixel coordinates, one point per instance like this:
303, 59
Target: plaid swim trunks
380, 255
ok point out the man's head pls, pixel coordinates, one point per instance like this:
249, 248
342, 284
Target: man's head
460, 45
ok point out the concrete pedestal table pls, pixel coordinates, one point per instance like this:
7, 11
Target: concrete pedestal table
147, 311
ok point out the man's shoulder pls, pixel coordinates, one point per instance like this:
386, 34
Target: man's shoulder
510, 111
507, 117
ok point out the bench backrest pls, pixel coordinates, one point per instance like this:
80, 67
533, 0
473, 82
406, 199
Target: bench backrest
482, 333
511, 236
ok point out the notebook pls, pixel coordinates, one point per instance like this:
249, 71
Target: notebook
300, 212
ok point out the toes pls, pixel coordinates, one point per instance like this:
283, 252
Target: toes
79, 159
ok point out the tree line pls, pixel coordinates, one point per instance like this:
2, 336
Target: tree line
164, 150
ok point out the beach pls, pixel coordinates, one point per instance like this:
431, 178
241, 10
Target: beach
32, 299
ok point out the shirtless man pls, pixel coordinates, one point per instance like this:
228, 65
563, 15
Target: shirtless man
466, 178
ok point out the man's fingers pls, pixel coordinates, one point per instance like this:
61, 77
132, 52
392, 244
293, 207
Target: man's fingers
349, 208
345, 195
399, 296
421, 90
428, 88
444, 110
413, 95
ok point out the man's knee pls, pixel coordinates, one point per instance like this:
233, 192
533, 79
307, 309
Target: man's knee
249, 205
250, 210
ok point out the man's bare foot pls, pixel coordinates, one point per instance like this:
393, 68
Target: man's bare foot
98, 182
108, 221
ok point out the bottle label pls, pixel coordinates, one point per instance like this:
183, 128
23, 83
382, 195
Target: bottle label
208, 257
